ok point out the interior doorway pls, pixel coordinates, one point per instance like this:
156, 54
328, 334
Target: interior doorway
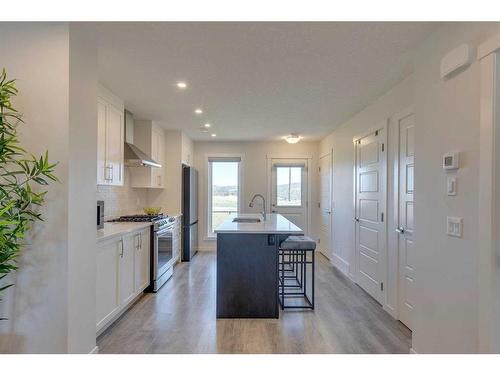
325, 204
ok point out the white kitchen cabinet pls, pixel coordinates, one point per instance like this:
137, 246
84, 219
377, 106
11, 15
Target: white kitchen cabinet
150, 138
110, 138
123, 272
142, 260
107, 279
127, 268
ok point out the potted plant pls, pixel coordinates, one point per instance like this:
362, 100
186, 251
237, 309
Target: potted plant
20, 173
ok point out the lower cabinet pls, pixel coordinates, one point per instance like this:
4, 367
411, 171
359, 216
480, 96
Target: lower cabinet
142, 260
123, 266
108, 277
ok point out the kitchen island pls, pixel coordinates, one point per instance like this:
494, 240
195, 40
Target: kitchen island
247, 265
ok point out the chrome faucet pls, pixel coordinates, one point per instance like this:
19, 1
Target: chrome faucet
263, 202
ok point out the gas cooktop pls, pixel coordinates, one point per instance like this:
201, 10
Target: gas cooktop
139, 218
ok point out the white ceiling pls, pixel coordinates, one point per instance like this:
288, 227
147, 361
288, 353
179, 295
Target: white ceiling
254, 81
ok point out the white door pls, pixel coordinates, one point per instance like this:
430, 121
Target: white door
370, 211
406, 228
325, 204
289, 190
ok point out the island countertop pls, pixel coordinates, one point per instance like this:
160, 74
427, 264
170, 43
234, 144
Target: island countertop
274, 223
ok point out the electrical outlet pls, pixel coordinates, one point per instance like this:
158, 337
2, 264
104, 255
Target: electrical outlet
454, 226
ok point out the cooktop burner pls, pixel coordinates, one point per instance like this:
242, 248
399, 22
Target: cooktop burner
139, 218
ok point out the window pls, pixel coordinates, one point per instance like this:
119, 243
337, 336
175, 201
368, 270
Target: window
223, 190
289, 186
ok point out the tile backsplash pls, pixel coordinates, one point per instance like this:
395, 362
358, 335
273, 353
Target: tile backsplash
121, 200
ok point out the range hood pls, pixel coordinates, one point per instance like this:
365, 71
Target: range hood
133, 155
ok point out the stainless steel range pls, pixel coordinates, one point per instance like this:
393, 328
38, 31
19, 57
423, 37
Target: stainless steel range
162, 260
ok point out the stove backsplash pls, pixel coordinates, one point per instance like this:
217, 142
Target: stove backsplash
122, 200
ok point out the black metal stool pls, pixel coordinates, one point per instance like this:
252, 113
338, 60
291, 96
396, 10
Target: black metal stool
295, 255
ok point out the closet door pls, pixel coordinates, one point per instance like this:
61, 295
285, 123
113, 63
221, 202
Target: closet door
371, 229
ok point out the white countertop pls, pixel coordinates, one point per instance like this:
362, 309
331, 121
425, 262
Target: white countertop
111, 230
275, 223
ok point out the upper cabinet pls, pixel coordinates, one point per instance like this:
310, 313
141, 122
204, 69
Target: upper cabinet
110, 138
186, 150
150, 138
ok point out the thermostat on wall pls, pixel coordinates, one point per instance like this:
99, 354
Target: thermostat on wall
450, 160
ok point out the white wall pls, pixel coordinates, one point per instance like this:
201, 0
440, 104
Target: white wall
254, 173
343, 255
82, 188
58, 114
447, 119
447, 114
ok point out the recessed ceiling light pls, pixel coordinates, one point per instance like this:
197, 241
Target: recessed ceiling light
182, 85
214, 135
198, 111
292, 138
207, 125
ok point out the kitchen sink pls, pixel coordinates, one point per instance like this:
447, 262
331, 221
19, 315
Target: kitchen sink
246, 220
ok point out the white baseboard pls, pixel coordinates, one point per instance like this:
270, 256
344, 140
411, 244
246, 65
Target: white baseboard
207, 248
340, 264
391, 310
412, 351
95, 350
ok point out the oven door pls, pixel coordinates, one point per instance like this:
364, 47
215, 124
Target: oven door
163, 251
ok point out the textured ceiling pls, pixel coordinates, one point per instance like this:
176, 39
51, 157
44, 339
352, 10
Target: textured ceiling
254, 81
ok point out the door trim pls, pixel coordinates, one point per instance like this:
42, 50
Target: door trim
394, 237
383, 261
331, 254
269, 181
489, 205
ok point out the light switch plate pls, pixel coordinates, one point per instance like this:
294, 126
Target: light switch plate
451, 185
454, 226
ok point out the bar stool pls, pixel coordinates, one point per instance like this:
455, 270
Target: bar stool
295, 256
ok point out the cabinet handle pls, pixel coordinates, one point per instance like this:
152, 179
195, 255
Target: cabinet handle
121, 253
140, 241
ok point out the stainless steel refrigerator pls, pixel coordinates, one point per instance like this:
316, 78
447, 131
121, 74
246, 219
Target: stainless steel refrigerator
189, 212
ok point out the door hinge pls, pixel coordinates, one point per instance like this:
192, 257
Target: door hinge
382, 287
319, 169
319, 240
383, 147
319, 204
376, 133
382, 217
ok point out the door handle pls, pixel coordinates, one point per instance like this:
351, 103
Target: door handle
356, 219
400, 230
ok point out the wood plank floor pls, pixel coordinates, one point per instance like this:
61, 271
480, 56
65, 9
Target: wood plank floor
180, 318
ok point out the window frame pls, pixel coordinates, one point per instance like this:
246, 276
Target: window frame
209, 234
301, 168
